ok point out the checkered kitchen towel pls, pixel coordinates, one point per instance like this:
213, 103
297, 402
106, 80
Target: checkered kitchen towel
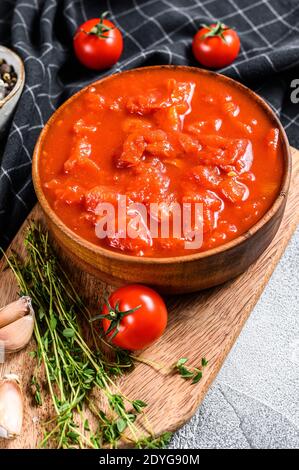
155, 32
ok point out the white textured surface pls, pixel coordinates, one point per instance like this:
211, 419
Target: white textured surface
254, 401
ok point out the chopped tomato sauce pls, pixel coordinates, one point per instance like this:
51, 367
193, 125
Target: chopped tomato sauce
162, 136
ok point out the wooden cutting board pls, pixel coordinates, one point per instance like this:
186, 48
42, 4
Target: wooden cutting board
202, 324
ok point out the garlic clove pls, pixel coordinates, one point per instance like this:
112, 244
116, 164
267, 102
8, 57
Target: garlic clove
15, 310
11, 407
17, 335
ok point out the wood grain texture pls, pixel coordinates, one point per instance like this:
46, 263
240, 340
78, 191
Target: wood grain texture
201, 324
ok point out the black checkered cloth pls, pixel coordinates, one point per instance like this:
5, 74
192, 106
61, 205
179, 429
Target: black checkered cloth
155, 32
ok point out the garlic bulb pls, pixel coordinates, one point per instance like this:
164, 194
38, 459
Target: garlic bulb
11, 407
17, 334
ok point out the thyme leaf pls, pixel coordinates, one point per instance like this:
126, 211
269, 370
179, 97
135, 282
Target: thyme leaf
194, 374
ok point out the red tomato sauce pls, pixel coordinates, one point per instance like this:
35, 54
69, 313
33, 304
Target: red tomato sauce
162, 136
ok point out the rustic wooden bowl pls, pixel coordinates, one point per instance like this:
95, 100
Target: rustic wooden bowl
176, 274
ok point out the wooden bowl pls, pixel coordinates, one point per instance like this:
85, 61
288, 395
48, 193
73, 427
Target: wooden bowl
174, 274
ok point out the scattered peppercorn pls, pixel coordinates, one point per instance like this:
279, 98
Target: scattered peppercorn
8, 78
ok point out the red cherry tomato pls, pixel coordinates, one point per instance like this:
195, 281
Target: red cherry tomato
140, 316
98, 44
216, 46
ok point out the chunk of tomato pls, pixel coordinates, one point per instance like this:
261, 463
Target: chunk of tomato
206, 176
233, 190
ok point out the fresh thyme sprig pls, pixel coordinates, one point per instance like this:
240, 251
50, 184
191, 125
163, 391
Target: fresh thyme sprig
186, 373
155, 443
71, 368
